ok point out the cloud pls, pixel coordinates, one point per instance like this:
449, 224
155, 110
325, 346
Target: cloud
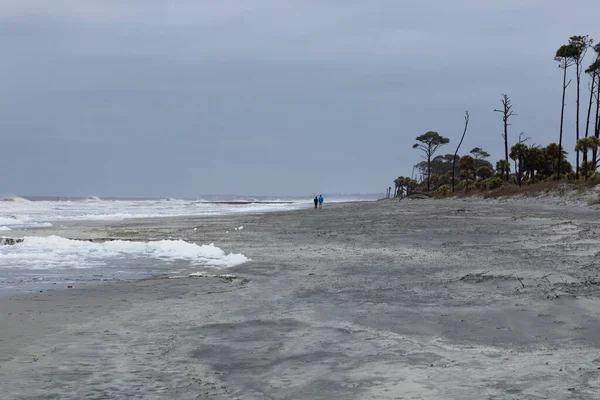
265, 96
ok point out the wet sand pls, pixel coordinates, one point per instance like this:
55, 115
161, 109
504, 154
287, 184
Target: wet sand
385, 300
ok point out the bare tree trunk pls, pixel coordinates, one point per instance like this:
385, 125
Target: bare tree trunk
506, 114
587, 125
458, 147
562, 118
598, 108
578, 66
597, 119
428, 168
506, 149
589, 113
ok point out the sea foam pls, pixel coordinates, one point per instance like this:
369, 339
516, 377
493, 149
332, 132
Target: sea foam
54, 252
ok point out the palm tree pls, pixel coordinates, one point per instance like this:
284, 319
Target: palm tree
502, 168
532, 161
518, 153
552, 158
584, 145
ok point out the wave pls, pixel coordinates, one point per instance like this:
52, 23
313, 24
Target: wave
55, 252
12, 222
14, 199
19, 213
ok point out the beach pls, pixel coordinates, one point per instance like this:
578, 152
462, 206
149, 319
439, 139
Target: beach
417, 299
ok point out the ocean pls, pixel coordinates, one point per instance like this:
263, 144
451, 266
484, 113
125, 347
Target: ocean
46, 260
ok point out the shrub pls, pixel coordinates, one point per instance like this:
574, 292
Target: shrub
445, 179
494, 183
466, 185
540, 177
443, 191
594, 178
465, 175
484, 172
587, 168
434, 181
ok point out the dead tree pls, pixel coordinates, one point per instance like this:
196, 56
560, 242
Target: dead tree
521, 140
458, 147
506, 114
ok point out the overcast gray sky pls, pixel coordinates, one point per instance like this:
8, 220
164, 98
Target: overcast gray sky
273, 97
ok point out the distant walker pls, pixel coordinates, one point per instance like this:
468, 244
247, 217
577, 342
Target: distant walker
316, 200
320, 201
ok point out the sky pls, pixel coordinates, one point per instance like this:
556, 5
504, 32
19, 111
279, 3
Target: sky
268, 97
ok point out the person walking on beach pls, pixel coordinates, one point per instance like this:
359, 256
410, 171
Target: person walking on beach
316, 200
320, 201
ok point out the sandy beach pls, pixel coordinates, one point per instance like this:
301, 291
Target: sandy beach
382, 300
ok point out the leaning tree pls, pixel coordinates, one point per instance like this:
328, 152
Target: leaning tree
429, 143
455, 157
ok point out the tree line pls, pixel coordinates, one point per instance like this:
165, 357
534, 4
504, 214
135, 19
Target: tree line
523, 163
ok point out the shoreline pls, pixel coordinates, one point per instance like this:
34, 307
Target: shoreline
126, 230
434, 298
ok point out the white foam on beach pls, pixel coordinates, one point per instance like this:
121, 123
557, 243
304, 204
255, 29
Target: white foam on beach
54, 252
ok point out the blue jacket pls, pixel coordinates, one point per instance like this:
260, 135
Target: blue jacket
320, 199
